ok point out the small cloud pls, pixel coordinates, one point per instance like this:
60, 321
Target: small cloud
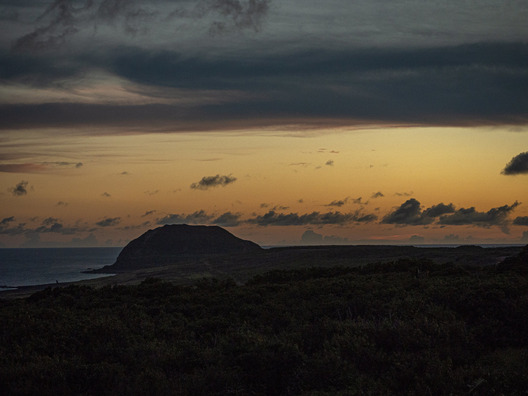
517, 166
148, 213
109, 222
378, 194
7, 220
301, 200
151, 192
264, 205
521, 220
338, 203
359, 201
329, 163
404, 194
20, 189
124, 173
106, 195
213, 181
49, 221
62, 203
78, 164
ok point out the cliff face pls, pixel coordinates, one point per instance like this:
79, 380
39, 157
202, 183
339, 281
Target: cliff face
173, 243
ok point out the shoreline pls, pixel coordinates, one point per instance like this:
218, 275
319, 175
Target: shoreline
26, 291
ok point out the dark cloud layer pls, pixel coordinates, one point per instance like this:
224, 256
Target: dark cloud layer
518, 165
386, 85
213, 181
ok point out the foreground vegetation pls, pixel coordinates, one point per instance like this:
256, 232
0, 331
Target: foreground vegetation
406, 327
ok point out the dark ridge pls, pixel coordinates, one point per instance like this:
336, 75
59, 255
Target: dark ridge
179, 242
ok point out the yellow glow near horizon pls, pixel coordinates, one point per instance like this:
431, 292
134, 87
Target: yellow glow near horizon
127, 175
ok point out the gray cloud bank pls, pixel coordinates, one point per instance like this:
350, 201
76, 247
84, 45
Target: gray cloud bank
411, 213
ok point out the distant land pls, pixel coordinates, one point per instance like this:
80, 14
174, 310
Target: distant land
183, 254
180, 252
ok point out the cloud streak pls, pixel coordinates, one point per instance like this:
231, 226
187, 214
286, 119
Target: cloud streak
109, 222
37, 167
381, 85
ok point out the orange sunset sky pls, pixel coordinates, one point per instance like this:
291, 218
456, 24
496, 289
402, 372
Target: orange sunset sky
293, 122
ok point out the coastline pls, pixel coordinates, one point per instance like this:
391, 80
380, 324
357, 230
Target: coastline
26, 291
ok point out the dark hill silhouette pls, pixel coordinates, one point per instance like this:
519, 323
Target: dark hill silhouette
175, 243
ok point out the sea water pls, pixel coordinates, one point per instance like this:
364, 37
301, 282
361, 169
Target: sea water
27, 267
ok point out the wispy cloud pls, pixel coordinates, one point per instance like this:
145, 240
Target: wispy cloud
37, 167
109, 222
371, 82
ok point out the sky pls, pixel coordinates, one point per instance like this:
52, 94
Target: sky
286, 122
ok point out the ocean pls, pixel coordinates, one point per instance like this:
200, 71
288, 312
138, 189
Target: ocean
27, 267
